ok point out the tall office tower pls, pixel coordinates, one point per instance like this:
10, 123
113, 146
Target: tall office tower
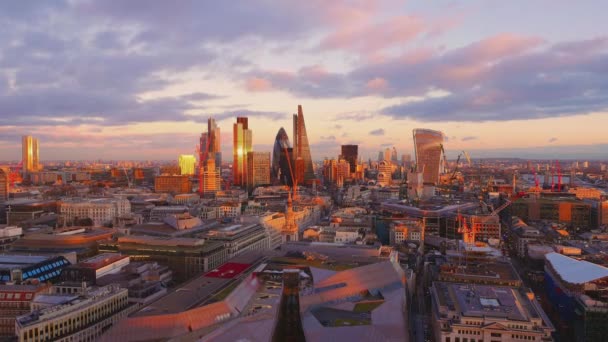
29, 157
214, 141
258, 169
350, 154
4, 181
301, 149
210, 143
387, 154
394, 159
280, 156
380, 156
241, 146
428, 145
212, 178
187, 164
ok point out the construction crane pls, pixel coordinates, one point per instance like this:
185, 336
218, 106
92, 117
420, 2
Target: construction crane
129, 182
559, 176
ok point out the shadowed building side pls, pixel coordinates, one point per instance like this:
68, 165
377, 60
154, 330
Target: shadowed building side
289, 323
282, 153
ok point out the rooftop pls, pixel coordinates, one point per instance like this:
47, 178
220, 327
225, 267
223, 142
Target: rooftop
576, 271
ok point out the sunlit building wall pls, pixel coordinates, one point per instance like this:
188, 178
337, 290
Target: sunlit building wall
187, 164
258, 169
29, 146
428, 146
242, 138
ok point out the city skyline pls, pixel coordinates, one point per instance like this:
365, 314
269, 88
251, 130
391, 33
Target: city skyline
129, 77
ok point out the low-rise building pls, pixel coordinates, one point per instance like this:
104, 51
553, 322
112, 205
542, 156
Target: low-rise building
15, 301
184, 256
347, 235
216, 210
79, 316
465, 312
99, 210
173, 184
406, 230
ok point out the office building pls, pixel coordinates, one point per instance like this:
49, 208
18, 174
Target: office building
350, 154
172, 183
29, 156
242, 139
15, 300
282, 155
82, 315
212, 178
387, 155
184, 256
467, 312
210, 143
301, 149
4, 183
187, 163
258, 169
385, 173
576, 292
99, 210
406, 159
428, 146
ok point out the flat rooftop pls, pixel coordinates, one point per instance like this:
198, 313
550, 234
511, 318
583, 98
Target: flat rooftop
11, 261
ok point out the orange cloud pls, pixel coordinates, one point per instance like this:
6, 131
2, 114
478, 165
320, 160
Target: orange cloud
257, 84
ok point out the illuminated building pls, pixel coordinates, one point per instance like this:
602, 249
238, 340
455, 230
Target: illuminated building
79, 316
242, 138
4, 183
301, 149
186, 164
212, 178
99, 210
172, 183
387, 154
350, 154
290, 229
462, 312
282, 154
210, 141
406, 230
29, 146
168, 170
428, 146
258, 169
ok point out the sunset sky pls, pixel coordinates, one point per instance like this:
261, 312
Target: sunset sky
138, 79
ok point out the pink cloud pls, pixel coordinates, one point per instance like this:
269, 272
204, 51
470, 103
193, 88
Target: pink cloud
499, 46
314, 73
257, 84
372, 37
377, 84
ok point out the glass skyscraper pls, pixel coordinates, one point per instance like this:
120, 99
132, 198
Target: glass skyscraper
428, 146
